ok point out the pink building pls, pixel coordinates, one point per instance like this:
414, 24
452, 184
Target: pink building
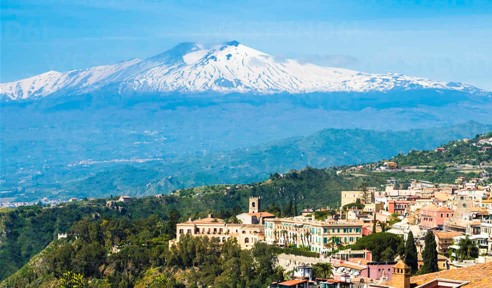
377, 270
433, 216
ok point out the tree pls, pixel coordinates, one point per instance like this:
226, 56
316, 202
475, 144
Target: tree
374, 221
429, 254
388, 254
172, 219
468, 250
377, 243
411, 257
72, 280
383, 226
322, 270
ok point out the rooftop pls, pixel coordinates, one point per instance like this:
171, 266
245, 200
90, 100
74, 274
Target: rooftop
292, 282
435, 208
447, 235
479, 276
262, 214
208, 220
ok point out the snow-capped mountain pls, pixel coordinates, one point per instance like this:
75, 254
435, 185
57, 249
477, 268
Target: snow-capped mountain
230, 67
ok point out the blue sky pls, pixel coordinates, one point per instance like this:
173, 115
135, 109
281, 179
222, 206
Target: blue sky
444, 40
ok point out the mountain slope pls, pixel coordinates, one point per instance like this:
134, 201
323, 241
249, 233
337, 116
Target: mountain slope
226, 68
330, 147
144, 224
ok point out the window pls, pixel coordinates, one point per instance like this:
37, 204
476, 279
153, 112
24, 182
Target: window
246, 240
181, 231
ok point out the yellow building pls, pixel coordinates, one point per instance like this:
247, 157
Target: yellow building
247, 233
319, 236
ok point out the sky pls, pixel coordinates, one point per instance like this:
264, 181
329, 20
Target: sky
447, 40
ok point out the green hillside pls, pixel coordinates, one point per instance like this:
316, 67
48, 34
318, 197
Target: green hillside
144, 225
326, 148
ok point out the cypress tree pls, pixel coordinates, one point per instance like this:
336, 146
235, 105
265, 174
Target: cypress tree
374, 223
411, 253
430, 254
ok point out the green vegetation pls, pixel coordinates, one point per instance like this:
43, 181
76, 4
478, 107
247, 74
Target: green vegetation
322, 215
127, 245
455, 153
300, 251
144, 259
411, 256
429, 255
468, 250
384, 246
326, 148
323, 270
355, 205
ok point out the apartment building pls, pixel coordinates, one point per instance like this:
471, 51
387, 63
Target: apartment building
319, 236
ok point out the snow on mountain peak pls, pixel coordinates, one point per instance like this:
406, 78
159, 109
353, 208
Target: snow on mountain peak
224, 68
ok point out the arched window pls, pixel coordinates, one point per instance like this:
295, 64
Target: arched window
253, 204
246, 240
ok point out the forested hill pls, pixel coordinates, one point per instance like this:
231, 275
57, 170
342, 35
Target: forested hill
27, 230
325, 148
142, 227
475, 151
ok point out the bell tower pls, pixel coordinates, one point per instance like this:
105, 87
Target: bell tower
254, 204
401, 275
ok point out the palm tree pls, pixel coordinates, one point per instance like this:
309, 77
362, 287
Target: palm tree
468, 250
322, 270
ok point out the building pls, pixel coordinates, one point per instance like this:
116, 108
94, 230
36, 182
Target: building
351, 197
364, 196
391, 165
254, 216
293, 284
487, 204
373, 207
379, 270
442, 261
304, 272
247, 233
399, 207
401, 275
434, 217
481, 241
125, 199
319, 236
444, 240
476, 276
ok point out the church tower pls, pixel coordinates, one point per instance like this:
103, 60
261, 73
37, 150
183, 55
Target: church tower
401, 275
254, 204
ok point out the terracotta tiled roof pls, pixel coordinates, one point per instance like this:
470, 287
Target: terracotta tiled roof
263, 214
479, 276
447, 235
292, 282
208, 220
434, 208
